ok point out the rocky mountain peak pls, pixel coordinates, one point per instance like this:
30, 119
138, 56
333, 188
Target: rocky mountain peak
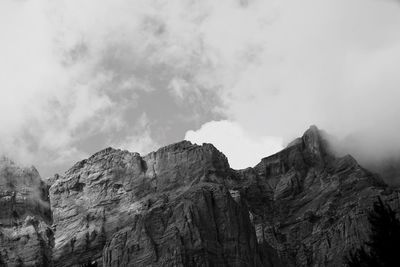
97, 202
24, 191
309, 151
316, 144
312, 136
25, 215
182, 205
177, 147
10, 170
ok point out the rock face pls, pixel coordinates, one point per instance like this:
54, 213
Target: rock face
169, 208
25, 216
202, 227
184, 206
309, 205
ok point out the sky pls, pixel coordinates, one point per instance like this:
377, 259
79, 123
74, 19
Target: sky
246, 75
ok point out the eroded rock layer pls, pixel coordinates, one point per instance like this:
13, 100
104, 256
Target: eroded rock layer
309, 205
169, 208
184, 206
25, 217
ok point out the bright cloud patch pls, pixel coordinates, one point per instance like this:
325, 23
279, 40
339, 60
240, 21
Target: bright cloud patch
76, 76
242, 149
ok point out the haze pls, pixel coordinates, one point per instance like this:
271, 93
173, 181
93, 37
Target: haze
248, 76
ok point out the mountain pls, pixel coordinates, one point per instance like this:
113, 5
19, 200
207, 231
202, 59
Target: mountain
183, 205
317, 203
169, 208
26, 237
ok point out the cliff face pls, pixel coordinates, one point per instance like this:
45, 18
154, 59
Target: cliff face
169, 208
184, 206
309, 205
25, 216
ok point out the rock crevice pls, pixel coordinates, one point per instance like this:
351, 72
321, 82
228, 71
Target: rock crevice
183, 205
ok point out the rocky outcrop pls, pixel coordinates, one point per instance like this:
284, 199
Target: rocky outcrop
184, 206
310, 205
169, 208
300, 207
25, 216
201, 227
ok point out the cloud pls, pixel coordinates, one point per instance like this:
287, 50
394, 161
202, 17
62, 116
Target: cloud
56, 89
139, 140
282, 66
77, 76
241, 148
72, 75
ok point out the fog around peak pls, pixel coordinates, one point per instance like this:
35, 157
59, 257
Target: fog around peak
78, 77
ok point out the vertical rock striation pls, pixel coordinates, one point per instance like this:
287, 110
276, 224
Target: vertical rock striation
169, 208
202, 227
310, 205
184, 206
25, 216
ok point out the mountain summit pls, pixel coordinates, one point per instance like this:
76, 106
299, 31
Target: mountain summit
25, 217
183, 205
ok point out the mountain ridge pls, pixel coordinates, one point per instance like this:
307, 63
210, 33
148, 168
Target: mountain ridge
302, 206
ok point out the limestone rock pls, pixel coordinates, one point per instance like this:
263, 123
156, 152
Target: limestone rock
203, 226
184, 206
169, 208
310, 205
25, 216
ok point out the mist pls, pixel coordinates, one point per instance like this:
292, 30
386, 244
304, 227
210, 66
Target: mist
331, 63
80, 77
377, 155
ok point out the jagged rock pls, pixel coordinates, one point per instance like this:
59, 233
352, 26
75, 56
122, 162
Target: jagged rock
203, 226
184, 206
169, 208
312, 207
25, 216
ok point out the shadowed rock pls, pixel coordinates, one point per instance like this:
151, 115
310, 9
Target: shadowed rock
308, 204
25, 236
169, 208
184, 206
172, 208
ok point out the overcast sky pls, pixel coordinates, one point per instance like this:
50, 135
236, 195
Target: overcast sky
248, 76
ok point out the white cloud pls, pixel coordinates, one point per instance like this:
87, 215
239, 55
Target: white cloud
68, 66
55, 89
241, 147
277, 66
139, 140
281, 66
